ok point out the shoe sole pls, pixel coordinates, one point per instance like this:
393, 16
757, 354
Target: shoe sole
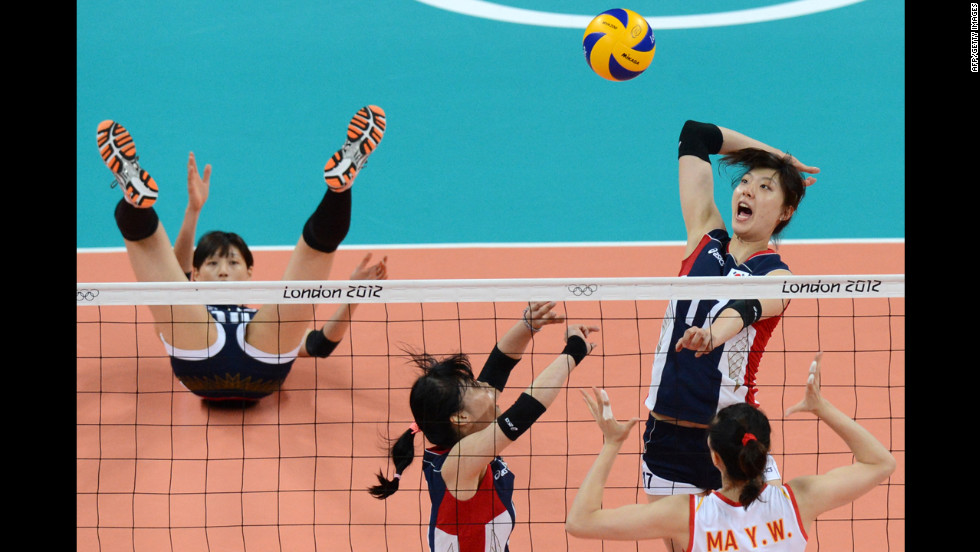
118, 152
364, 133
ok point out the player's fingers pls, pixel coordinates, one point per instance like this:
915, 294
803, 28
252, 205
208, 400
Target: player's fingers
540, 308
546, 306
794, 409
364, 262
814, 376
630, 424
686, 341
607, 413
589, 403
552, 318
543, 312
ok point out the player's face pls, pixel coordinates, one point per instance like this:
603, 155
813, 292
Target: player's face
757, 205
480, 406
230, 267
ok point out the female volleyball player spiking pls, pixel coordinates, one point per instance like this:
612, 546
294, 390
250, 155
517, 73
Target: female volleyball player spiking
470, 485
744, 513
709, 350
229, 352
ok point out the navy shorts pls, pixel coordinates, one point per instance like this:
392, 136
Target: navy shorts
673, 453
231, 369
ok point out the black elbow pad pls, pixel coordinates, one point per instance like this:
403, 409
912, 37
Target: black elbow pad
699, 140
518, 418
318, 345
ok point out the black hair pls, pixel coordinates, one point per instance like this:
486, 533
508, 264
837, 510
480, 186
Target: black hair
220, 243
790, 179
740, 434
435, 397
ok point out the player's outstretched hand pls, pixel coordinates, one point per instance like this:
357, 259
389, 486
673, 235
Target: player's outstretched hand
810, 180
197, 186
697, 340
812, 400
541, 313
377, 271
613, 431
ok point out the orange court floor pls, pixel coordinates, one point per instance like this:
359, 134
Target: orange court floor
159, 470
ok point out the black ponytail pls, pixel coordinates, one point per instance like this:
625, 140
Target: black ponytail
752, 458
402, 454
435, 397
740, 434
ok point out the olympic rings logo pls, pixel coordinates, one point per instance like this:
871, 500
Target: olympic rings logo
585, 290
499, 12
87, 295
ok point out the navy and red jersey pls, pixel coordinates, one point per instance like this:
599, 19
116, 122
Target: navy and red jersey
695, 389
482, 523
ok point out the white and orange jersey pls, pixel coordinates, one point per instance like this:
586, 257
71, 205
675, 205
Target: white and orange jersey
770, 524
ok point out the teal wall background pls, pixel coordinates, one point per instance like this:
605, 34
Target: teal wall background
497, 132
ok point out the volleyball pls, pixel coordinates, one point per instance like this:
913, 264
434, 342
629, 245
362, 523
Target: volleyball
619, 44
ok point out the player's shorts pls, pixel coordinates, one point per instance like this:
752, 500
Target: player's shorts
677, 460
230, 369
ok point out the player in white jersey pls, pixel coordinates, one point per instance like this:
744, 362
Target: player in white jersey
745, 513
773, 522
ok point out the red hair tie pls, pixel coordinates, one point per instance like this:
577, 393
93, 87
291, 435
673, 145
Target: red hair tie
747, 437
414, 428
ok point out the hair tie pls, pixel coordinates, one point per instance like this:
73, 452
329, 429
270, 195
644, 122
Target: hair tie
747, 437
414, 428
398, 476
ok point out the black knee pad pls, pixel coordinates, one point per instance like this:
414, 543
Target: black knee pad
135, 224
329, 224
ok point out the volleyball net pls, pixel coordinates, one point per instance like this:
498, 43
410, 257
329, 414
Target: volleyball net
160, 469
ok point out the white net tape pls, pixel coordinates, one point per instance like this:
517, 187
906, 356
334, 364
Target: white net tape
463, 291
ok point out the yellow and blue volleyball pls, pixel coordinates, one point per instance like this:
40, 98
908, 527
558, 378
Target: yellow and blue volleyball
619, 44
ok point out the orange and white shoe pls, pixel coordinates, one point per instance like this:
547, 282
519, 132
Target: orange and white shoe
363, 135
119, 154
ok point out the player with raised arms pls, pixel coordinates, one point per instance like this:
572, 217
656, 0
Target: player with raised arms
234, 352
709, 350
470, 486
198, 189
744, 513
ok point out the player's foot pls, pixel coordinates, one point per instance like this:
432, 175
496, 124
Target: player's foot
363, 135
119, 154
